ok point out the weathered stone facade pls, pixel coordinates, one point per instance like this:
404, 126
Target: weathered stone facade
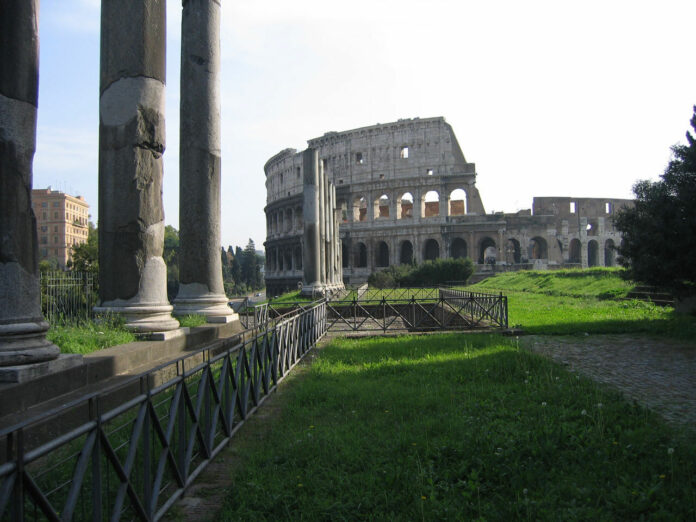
405, 191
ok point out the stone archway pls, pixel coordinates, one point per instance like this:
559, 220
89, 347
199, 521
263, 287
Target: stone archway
431, 250
406, 252
592, 253
458, 248
487, 251
382, 257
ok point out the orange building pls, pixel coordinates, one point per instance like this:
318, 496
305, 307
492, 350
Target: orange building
61, 222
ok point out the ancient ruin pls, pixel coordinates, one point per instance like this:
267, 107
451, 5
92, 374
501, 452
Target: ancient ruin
22, 326
200, 272
406, 193
321, 256
132, 276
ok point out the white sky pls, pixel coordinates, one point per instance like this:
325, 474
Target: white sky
548, 98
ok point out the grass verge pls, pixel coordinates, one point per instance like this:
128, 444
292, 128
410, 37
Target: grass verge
89, 337
602, 283
458, 427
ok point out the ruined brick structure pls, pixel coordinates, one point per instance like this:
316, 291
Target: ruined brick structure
406, 192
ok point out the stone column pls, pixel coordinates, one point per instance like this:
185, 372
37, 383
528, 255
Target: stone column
200, 273
322, 224
132, 273
331, 214
310, 218
22, 326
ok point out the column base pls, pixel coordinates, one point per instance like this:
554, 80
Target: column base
25, 343
193, 299
142, 318
28, 372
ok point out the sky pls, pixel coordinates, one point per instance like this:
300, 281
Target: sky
548, 98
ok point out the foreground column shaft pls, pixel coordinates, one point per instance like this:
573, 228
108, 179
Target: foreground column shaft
201, 289
132, 273
22, 327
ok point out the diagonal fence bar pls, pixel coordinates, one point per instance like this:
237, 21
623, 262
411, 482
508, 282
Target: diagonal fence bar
146, 439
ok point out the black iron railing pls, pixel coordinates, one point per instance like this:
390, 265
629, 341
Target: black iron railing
449, 310
130, 450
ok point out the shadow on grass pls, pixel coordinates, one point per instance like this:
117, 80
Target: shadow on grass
458, 427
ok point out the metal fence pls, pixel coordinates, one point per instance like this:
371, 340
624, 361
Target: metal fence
139, 444
68, 296
449, 310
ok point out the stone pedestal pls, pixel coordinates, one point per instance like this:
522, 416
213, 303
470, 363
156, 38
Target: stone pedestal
22, 327
132, 275
201, 289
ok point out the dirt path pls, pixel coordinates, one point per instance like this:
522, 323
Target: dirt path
659, 374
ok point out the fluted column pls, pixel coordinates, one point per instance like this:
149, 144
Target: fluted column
201, 290
132, 273
22, 326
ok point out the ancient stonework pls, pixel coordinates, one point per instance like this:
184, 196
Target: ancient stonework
201, 289
322, 272
132, 275
404, 191
22, 327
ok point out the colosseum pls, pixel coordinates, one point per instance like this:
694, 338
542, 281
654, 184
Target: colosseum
406, 193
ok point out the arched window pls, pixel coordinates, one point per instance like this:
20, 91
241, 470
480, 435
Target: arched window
487, 251
431, 251
538, 248
404, 206
592, 253
360, 253
575, 251
406, 252
458, 248
382, 207
360, 209
457, 202
609, 252
382, 254
431, 204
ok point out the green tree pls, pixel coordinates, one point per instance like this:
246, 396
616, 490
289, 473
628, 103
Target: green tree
85, 256
659, 233
250, 269
170, 255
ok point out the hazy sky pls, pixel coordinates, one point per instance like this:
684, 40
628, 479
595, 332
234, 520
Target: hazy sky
552, 98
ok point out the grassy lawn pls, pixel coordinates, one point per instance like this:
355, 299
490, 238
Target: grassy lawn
601, 283
88, 337
571, 302
457, 427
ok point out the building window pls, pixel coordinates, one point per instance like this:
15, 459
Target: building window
429, 172
56, 204
44, 240
404, 152
298, 172
44, 204
607, 208
359, 158
572, 207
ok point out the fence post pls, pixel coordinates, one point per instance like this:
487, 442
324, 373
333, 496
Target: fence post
95, 414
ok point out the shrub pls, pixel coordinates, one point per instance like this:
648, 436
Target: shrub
435, 272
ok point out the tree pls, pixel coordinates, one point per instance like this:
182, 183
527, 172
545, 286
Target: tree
251, 275
659, 232
85, 256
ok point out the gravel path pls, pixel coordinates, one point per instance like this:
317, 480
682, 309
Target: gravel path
659, 374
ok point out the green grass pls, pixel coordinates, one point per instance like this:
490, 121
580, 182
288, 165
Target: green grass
290, 297
572, 302
457, 427
191, 321
602, 283
89, 337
